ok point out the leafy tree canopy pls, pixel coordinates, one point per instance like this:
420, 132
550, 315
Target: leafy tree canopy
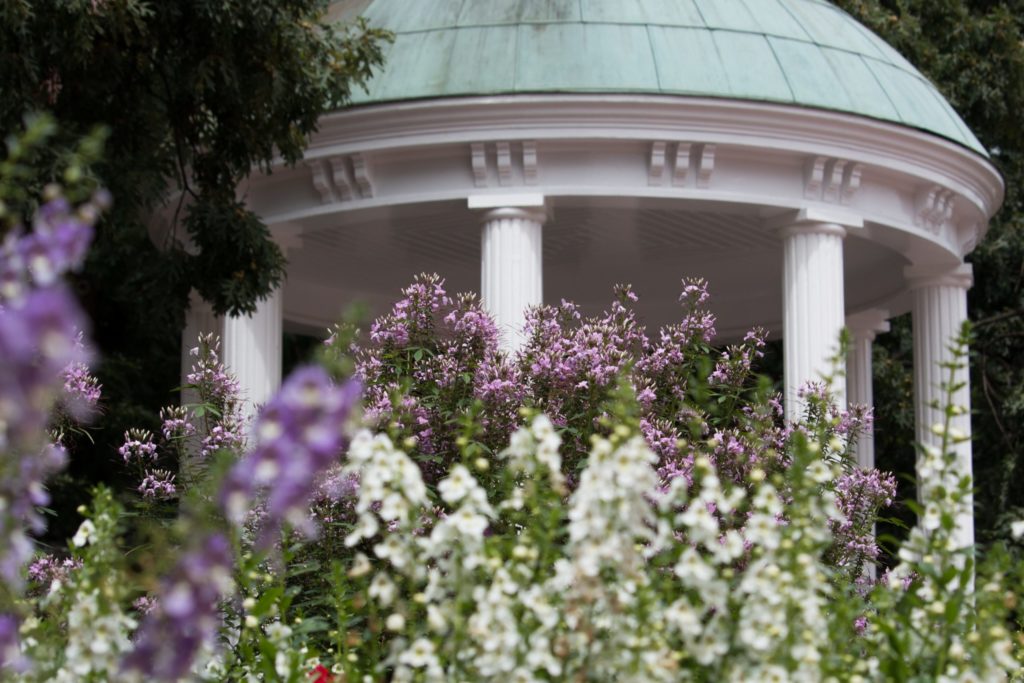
193, 94
196, 93
973, 50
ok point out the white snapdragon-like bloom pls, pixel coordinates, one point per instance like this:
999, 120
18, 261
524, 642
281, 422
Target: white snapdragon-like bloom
537, 445
700, 524
763, 530
383, 589
86, 533
456, 485
420, 655
97, 640
685, 618
693, 570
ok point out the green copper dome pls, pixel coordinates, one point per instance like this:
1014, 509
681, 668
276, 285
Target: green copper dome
801, 52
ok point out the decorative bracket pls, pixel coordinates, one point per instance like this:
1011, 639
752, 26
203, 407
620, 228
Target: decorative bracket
933, 208
478, 158
341, 178
504, 163
851, 182
508, 157
321, 183
705, 166
687, 154
681, 168
657, 163
834, 181
362, 174
814, 177
530, 162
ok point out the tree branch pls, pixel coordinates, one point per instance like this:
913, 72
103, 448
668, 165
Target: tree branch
999, 317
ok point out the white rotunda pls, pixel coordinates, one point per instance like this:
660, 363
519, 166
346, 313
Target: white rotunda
535, 150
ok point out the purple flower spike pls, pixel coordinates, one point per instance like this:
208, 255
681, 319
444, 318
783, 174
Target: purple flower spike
186, 613
299, 434
10, 651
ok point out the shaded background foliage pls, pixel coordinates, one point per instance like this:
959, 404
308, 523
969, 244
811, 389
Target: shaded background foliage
973, 51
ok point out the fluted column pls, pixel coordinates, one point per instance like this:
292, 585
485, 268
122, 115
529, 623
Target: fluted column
939, 310
199, 319
813, 307
863, 327
252, 350
511, 264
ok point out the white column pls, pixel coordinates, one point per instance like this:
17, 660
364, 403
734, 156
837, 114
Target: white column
863, 327
813, 307
511, 261
199, 319
939, 310
252, 351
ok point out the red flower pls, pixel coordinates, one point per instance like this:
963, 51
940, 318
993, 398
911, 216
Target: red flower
322, 675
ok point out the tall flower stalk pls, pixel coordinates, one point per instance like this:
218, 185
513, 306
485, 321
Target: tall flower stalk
41, 353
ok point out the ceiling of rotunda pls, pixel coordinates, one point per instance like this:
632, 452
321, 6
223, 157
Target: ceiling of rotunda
588, 248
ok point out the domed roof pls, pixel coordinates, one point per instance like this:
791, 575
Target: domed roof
800, 52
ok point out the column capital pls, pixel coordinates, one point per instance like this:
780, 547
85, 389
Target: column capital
864, 325
813, 219
961, 276
528, 206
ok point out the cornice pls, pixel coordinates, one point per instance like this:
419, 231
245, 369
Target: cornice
755, 125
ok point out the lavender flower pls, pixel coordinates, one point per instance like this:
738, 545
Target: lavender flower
58, 241
214, 383
158, 485
37, 341
860, 494
81, 388
300, 434
186, 615
222, 437
47, 569
138, 447
176, 423
21, 493
434, 356
40, 336
10, 649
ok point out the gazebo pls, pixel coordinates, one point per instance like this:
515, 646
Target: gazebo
536, 150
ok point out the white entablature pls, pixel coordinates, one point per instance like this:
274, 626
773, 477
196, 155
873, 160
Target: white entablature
702, 183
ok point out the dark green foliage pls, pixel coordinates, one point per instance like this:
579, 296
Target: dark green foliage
194, 94
973, 51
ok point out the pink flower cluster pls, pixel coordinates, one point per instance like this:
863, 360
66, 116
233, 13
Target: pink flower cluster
432, 357
46, 569
176, 423
81, 388
138, 447
158, 485
215, 384
860, 494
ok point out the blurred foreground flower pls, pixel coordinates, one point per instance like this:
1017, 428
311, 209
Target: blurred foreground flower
299, 435
187, 613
